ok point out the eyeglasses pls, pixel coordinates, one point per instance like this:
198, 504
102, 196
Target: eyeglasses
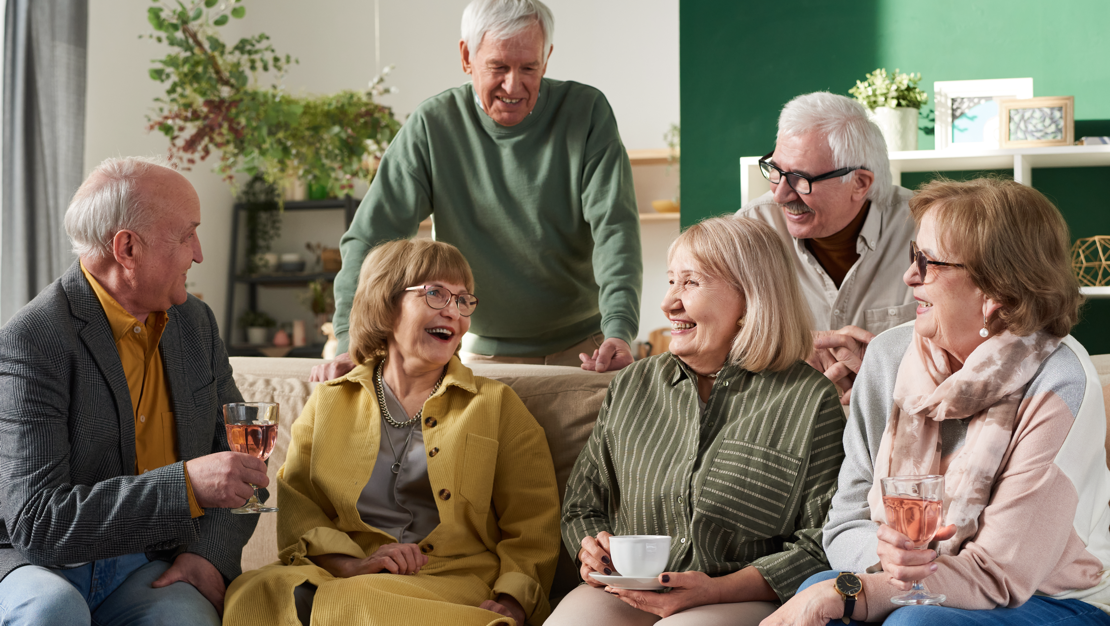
798, 182
439, 297
918, 257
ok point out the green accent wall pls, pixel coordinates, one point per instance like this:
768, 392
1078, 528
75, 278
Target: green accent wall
742, 60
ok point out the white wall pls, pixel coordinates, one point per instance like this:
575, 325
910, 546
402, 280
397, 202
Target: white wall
627, 49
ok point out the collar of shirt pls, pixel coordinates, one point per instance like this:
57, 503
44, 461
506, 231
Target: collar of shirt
121, 322
729, 372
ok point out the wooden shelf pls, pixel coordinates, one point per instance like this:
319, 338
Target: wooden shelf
657, 156
646, 218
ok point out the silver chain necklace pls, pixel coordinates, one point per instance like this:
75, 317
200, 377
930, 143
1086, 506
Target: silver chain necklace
397, 460
385, 410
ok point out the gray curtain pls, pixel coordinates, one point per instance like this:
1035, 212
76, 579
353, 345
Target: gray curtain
44, 142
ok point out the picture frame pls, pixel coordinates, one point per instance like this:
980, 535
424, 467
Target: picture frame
967, 110
1046, 121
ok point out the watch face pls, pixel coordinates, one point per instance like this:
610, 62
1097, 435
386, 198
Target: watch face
848, 584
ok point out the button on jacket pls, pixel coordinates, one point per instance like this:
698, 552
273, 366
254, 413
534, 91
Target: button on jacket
746, 482
872, 295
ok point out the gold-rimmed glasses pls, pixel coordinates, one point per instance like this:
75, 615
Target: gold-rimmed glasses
438, 297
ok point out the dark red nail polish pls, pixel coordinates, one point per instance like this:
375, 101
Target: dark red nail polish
608, 572
666, 578
605, 560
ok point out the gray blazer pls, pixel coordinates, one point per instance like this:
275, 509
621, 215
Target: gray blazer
68, 489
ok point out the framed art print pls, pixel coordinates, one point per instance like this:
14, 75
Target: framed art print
967, 110
1037, 122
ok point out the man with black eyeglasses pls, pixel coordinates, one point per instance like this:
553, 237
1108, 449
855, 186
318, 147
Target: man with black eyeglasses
833, 202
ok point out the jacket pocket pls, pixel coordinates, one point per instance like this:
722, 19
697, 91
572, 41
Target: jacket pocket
888, 317
479, 468
750, 489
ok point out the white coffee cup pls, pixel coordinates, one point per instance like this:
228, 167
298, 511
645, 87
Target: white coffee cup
640, 556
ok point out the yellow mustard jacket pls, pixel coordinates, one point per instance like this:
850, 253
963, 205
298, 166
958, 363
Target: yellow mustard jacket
491, 470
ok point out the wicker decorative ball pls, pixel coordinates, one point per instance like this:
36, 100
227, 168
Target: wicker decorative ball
1090, 259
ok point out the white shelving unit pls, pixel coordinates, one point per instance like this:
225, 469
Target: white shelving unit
1020, 160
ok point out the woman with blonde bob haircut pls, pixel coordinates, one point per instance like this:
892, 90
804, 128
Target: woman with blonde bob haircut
729, 444
413, 490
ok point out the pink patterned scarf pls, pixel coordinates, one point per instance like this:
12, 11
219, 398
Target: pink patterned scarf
988, 389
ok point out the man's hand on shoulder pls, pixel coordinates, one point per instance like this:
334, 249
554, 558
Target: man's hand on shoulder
197, 571
613, 355
223, 479
838, 355
329, 371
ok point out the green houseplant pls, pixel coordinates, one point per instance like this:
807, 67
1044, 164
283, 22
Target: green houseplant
895, 102
257, 325
217, 100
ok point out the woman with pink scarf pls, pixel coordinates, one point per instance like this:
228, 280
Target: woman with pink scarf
988, 389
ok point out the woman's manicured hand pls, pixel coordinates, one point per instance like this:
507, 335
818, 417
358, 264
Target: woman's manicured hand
816, 605
595, 557
688, 589
508, 606
904, 564
396, 558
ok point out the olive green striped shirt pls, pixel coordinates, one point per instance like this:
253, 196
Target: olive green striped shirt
747, 481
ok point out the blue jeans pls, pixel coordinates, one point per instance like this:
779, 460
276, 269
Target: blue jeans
1037, 611
112, 592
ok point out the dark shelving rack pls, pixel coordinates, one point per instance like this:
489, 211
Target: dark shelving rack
347, 204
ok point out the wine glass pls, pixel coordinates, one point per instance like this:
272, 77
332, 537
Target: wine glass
252, 428
913, 507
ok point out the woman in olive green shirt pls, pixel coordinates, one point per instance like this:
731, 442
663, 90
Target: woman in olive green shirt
730, 443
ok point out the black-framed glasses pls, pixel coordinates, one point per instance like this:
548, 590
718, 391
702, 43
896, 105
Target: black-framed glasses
439, 297
803, 185
917, 257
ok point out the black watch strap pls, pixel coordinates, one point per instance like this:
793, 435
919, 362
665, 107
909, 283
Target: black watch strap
849, 606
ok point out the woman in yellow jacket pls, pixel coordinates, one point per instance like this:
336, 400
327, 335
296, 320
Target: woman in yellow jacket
413, 491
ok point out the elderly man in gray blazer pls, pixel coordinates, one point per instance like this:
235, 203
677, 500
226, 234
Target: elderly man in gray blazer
115, 471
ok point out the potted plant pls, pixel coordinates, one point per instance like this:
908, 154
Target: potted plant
895, 102
257, 325
320, 299
215, 100
260, 201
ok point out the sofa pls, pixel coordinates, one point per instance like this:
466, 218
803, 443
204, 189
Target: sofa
564, 400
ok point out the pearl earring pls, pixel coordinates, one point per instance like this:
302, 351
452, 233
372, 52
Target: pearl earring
740, 322
983, 332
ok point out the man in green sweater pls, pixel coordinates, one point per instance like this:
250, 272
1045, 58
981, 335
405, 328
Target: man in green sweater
528, 177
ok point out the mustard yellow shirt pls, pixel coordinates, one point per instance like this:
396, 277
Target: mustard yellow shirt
137, 344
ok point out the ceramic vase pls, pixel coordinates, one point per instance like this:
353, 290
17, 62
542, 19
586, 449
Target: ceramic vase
256, 335
899, 127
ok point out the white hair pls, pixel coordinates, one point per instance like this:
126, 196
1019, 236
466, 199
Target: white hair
504, 19
854, 139
110, 201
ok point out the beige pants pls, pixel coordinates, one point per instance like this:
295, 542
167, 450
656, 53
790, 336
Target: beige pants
587, 605
566, 357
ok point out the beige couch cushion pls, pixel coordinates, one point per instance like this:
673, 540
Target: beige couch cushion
564, 400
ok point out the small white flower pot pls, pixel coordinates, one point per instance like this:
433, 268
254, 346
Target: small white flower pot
899, 127
257, 335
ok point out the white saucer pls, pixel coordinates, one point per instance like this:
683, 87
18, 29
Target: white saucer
629, 582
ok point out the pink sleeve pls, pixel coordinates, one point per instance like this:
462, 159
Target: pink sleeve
1026, 532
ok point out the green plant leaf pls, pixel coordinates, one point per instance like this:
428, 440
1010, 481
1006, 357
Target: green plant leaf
238, 12
157, 73
208, 4
220, 21
154, 16
197, 13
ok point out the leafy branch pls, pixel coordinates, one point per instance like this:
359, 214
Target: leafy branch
214, 101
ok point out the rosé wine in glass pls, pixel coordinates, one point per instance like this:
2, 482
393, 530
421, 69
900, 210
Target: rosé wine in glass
252, 428
913, 506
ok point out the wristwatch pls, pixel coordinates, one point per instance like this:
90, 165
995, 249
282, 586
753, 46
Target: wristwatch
848, 585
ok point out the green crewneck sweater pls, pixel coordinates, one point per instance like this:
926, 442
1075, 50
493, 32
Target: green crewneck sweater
544, 212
